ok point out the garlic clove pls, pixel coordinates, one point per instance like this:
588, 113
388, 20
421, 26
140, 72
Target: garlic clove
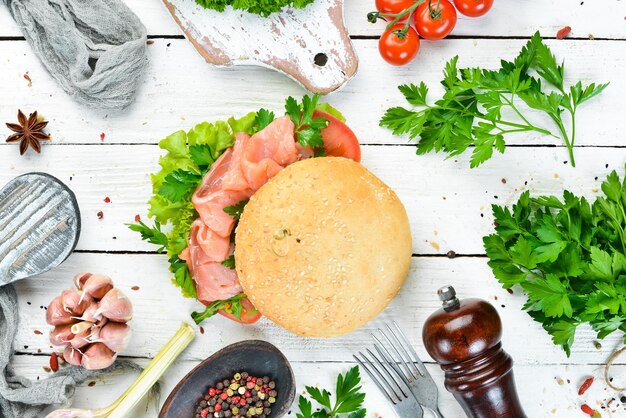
81, 340
90, 313
74, 302
116, 306
97, 286
61, 334
72, 356
56, 314
80, 279
81, 327
98, 356
115, 336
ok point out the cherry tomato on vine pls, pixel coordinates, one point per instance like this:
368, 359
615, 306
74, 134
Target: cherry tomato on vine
473, 8
397, 50
434, 19
393, 6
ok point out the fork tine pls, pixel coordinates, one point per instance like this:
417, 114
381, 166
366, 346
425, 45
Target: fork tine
391, 363
386, 370
394, 399
422, 368
404, 343
400, 358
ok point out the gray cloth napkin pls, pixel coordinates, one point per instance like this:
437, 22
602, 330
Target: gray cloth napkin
21, 398
95, 49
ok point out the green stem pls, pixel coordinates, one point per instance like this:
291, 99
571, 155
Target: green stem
124, 404
570, 146
528, 127
515, 109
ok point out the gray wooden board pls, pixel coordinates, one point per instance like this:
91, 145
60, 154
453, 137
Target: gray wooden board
39, 225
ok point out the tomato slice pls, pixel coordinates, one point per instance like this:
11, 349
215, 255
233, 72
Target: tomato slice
339, 140
249, 315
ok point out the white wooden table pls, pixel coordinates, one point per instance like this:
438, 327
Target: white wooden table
448, 203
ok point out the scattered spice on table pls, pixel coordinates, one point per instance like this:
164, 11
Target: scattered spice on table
102, 136
107, 199
28, 132
27, 78
135, 288
241, 396
54, 362
100, 214
585, 386
563, 33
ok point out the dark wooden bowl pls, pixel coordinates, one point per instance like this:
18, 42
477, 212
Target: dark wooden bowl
259, 358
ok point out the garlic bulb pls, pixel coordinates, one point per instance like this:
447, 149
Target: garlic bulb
90, 321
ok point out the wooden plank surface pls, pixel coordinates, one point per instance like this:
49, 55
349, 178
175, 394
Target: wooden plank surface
602, 18
449, 204
545, 391
159, 309
163, 107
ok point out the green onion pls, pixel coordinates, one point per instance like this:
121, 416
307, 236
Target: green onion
124, 404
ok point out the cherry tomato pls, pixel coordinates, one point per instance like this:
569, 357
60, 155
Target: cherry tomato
393, 6
434, 19
249, 315
398, 51
473, 8
339, 140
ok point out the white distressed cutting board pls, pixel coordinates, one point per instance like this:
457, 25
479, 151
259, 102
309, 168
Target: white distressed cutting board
311, 45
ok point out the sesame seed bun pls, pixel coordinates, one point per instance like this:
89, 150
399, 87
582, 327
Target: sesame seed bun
323, 247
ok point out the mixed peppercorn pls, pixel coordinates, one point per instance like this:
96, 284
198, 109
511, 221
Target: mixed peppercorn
242, 396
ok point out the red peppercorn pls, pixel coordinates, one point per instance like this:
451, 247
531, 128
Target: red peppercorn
586, 384
218, 407
223, 396
204, 413
54, 362
250, 385
247, 394
107, 199
212, 392
587, 409
242, 402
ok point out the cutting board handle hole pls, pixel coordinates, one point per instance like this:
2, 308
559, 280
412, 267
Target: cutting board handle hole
320, 59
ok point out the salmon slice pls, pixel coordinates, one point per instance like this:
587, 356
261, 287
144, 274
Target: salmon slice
216, 282
234, 179
269, 151
215, 247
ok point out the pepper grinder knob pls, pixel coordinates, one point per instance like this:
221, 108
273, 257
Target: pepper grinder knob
447, 294
464, 338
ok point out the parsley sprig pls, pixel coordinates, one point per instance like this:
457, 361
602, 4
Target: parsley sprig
569, 257
348, 399
308, 128
479, 106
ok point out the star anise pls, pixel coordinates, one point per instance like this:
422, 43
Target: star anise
28, 132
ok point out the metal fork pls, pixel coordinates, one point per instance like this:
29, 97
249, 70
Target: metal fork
413, 372
391, 384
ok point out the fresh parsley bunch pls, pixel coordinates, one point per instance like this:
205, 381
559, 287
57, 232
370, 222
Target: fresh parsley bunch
470, 113
348, 399
259, 7
189, 157
569, 257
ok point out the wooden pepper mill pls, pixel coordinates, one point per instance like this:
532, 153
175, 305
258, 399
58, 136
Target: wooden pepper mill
464, 338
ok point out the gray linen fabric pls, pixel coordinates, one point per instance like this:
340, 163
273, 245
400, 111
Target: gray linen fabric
95, 49
21, 398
